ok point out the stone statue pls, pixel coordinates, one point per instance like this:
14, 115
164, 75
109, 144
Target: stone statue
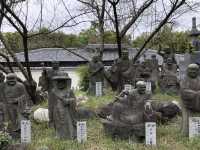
16, 100
190, 96
117, 75
168, 80
64, 112
96, 74
167, 53
48, 85
2, 105
144, 73
128, 114
154, 66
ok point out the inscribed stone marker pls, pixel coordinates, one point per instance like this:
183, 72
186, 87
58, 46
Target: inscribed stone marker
81, 131
99, 89
25, 131
150, 133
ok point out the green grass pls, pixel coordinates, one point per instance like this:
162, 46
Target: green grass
168, 136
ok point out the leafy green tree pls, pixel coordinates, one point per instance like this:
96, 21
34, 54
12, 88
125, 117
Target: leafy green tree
166, 38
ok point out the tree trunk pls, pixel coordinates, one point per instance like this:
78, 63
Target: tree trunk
118, 38
101, 30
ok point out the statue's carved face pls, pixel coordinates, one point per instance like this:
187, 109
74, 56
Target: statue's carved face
55, 65
193, 72
141, 89
63, 83
125, 56
11, 81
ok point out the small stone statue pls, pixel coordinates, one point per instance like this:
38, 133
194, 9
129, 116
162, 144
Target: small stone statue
16, 100
96, 74
168, 80
190, 96
64, 112
128, 114
144, 73
154, 66
2, 105
49, 85
117, 75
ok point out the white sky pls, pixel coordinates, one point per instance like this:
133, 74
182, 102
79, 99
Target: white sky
60, 15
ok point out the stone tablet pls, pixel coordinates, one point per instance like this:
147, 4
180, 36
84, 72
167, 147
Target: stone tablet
99, 89
25, 131
81, 131
194, 127
150, 133
148, 87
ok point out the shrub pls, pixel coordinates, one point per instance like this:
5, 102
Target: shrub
83, 72
5, 140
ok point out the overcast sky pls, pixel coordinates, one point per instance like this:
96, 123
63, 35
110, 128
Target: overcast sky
54, 13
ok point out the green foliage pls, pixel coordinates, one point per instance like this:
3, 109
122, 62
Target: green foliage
5, 140
83, 72
166, 38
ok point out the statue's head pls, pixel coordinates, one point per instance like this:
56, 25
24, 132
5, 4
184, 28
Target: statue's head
95, 59
169, 61
141, 87
125, 55
62, 80
167, 50
55, 65
11, 79
2, 77
193, 70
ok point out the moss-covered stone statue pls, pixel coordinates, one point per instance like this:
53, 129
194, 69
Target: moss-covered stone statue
168, 80
128, 116
190, 97
2, 104
118, 74
64, 112
47, 84
96, 74
16, 100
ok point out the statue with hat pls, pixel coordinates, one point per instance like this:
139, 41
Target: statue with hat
16, 100
64, 112
190, 96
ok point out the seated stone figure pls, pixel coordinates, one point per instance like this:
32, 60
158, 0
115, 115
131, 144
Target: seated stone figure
64, 112
168, 81
190, 96
128, 114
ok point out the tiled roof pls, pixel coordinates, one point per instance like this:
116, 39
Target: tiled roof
59, 54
